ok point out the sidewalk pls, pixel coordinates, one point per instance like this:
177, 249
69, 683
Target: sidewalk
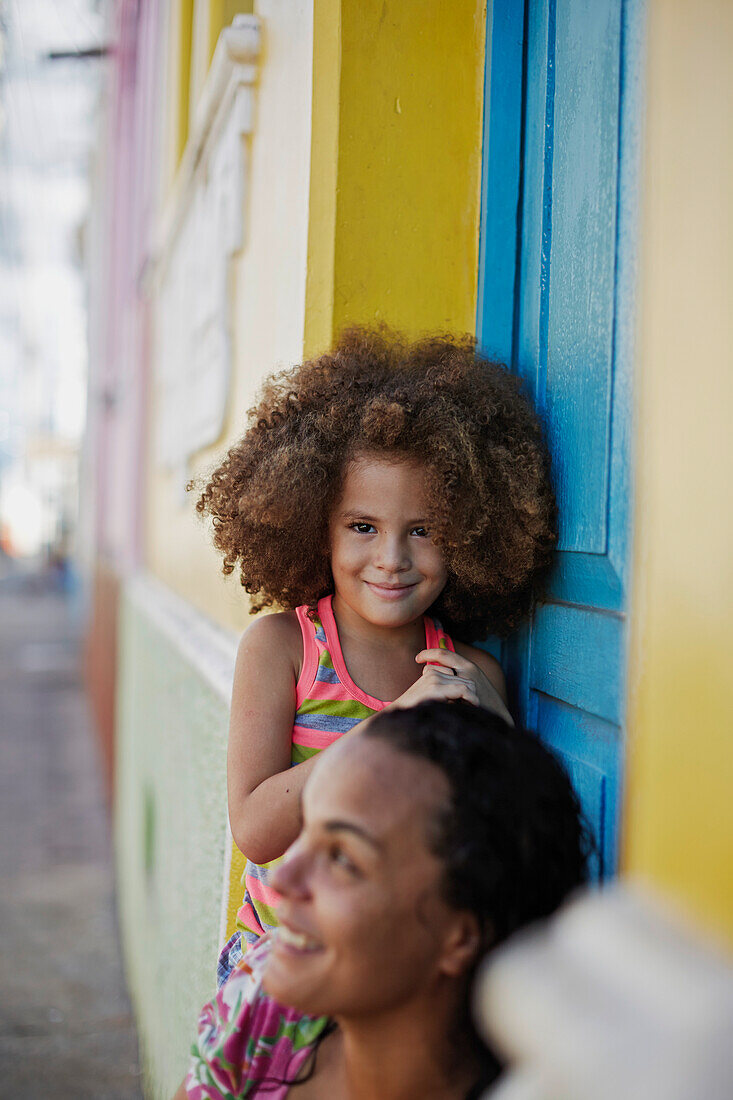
66, 1029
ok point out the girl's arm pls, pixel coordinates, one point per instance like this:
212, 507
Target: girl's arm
264, 790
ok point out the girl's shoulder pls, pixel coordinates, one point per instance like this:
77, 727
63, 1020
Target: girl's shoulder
275, 637
486, 662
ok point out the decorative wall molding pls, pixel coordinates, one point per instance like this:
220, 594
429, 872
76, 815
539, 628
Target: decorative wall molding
200, 233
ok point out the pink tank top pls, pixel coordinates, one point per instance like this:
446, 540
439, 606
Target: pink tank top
328, 704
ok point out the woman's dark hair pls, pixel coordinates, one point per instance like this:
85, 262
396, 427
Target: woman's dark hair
435, 401
512, 839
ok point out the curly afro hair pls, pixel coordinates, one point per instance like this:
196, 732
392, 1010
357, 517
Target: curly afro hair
491, 507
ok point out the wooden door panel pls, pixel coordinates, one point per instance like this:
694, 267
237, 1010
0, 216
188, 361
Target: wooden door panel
589, 579
591, 785
570, 167
577, 658
589, 748
582, 165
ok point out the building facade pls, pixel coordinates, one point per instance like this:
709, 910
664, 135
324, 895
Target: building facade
271, 172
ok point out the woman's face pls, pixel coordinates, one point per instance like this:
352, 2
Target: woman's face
363, 926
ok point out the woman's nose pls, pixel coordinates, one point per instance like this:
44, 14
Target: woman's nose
289, 876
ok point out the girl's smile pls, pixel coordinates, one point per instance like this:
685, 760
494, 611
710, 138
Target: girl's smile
386, 568
391, 592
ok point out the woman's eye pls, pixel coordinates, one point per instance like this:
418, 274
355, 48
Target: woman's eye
362, 528
421, 532
337, 857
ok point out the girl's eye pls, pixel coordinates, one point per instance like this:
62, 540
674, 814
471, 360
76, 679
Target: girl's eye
362, 528
421, 532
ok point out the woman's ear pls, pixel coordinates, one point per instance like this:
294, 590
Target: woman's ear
461, 944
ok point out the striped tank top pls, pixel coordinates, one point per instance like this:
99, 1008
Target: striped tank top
328, 704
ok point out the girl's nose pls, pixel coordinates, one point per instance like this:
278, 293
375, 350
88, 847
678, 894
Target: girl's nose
289, 876
392, 555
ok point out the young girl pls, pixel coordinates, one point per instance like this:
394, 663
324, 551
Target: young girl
380, 491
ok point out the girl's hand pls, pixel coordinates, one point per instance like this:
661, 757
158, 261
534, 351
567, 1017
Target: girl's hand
436, 683
448, 675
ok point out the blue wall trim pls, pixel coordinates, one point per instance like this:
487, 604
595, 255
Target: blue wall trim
500, 184
546, 249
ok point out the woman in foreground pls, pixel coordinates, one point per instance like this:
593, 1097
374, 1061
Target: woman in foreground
426, 841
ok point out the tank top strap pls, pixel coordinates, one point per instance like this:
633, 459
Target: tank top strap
436, 637
340, 673
312, 648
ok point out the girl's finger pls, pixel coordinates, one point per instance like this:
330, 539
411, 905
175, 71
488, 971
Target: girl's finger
444, 657
462, 691
441, 671
452, 689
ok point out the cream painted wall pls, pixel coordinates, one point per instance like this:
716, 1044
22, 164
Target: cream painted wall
268, 301
170, 818
678, 825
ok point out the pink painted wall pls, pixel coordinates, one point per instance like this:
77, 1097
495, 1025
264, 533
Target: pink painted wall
125, 197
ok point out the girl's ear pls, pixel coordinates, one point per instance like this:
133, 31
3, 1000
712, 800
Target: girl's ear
461, 944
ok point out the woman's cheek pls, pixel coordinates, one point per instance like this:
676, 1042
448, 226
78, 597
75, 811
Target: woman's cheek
357, 917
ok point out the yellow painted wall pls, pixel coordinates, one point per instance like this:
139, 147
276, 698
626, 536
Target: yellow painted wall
178, 65
209, 19
679, 809
398, 95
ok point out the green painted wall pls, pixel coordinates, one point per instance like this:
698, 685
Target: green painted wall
171, 818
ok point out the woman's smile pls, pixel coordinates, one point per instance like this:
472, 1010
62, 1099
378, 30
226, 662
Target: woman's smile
292, 942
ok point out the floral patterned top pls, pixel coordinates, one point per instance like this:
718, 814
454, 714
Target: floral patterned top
248, 1044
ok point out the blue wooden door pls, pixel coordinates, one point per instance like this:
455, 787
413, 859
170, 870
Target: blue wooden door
556, 285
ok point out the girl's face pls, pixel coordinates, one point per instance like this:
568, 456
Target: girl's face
364, 928
386, 568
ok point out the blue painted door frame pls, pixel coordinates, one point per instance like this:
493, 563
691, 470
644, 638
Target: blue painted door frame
556, 282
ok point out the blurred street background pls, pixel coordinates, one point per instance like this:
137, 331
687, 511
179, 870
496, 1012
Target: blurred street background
66, 1027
